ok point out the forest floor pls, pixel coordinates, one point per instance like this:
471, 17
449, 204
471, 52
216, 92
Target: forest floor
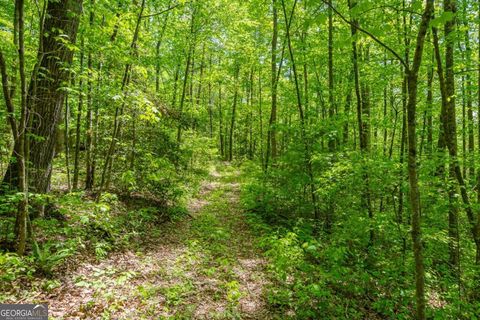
204, 267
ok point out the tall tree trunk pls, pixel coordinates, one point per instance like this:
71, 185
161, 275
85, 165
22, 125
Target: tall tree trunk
94, 129
234, 109
210, 102
250, 117
385, 114
416, 231
45, 99
18, 130
46, 104
429, 111
133, 150
403, 135
220, 122
117, 122
67, 142
183, 96
307, 155
89, 178
175, 86
157, 49
478, 171
451, 129
449, 124
331, 102
362, 118
191, 46
200, 80
272, 134
22, 214
76, 165
260, 117
468, 91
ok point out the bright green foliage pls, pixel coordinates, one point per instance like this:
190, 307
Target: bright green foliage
337, 274
162, 93
46, 259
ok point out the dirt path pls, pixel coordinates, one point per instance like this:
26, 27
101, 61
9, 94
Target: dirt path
206, 267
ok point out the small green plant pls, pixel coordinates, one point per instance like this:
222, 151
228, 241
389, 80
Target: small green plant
175, 294
47, 259
233, 292
50, 284
101, 249
12, 267
177, 212
128, 181
147, 291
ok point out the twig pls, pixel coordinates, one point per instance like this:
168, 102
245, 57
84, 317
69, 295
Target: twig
381, 43
161, 12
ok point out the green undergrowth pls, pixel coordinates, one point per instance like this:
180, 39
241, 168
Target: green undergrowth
204, 272
317, 275
83, 229
78, 228
200, 275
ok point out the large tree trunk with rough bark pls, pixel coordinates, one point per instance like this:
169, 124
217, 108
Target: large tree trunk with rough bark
45, 97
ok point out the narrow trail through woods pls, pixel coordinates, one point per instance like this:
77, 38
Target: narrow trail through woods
204, 267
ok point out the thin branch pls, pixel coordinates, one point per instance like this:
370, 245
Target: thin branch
394, 9
281, 63
467, 71
381, 43
161, 12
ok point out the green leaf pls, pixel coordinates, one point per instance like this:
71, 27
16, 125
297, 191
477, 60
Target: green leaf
444, 18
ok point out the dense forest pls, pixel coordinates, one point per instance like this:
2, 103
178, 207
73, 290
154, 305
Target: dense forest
234, 159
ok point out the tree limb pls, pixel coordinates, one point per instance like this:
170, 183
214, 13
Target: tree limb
161, 12
374, 38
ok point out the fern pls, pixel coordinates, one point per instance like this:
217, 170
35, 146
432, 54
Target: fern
46, 259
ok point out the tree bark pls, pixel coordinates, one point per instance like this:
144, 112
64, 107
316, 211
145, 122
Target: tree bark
46, 104
18, 130
331, 101
117, 124
90, 170
191, 50
76, 165
220, 122
234, 109
272, 134
470, 124
307, 155
412, 76
67, 142
449, 127
362, 118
